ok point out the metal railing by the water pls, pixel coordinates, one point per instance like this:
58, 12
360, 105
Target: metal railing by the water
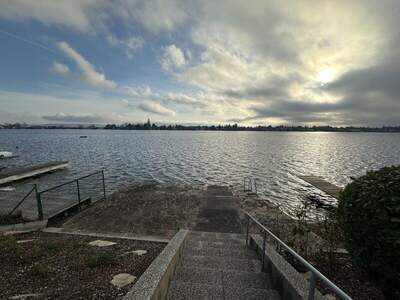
315, 274
34, 188
250, 184
77, 186
76, 183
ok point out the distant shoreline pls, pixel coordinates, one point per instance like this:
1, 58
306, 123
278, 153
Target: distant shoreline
388, 129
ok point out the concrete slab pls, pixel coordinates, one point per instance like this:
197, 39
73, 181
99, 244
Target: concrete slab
101, 243
14, 174
123, 279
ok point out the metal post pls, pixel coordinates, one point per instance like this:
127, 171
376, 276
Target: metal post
104, 185
263, 254
79, 194
247, 231
311, 290
39, 203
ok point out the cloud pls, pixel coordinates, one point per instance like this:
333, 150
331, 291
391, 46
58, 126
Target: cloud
184, 99
140, 91
87, 72
74, 14
173, 58
155, 108
60, 69
79, 118
131, 44
95, 16
154, 16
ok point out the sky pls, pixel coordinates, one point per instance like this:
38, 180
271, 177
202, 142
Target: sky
259, 62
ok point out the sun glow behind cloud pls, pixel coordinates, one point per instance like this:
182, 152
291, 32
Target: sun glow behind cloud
307, 62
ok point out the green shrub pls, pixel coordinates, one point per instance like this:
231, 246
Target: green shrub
369, 215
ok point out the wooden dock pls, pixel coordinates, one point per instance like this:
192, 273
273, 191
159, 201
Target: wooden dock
15, 174
323, 185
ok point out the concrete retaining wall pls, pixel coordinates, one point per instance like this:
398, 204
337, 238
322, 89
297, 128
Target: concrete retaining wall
290, 284
35, 225
154, 282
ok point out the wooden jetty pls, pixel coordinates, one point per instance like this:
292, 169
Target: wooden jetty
323, 185
14, 174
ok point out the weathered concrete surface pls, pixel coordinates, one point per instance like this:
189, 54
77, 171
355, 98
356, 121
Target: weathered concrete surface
323, 185
226, 269
153, 284
101, 243
123, 279
161, 210
128, 236
13, 174
29, 226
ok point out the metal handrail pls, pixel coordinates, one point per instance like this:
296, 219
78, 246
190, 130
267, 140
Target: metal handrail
76, 181
23, 199
71, 181
315, 274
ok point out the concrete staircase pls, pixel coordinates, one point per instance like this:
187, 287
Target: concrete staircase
219, 266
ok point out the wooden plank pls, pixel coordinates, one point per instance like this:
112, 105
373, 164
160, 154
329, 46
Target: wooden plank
323, 185
14, 174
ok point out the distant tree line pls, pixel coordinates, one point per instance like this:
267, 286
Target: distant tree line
228, 127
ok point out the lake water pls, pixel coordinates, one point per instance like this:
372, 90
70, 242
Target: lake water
203, 157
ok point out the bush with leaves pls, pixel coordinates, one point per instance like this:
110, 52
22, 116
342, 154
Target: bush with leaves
369, 215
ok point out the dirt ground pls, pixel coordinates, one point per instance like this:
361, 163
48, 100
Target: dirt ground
60, 266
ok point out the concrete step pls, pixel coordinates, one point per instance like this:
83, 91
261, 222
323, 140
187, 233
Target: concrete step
223, 277
221, 263
237, 293
179, 290
223, 252
232, 244
215, 236
243, 279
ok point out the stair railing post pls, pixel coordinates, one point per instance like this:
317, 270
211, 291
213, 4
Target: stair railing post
311, 290
263, 254
247, 230
39, 203
79, 194
104, 184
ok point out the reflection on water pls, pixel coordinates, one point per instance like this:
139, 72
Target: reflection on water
274, 158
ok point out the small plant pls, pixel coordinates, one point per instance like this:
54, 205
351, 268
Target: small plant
99, 260
9, 247
40, 270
